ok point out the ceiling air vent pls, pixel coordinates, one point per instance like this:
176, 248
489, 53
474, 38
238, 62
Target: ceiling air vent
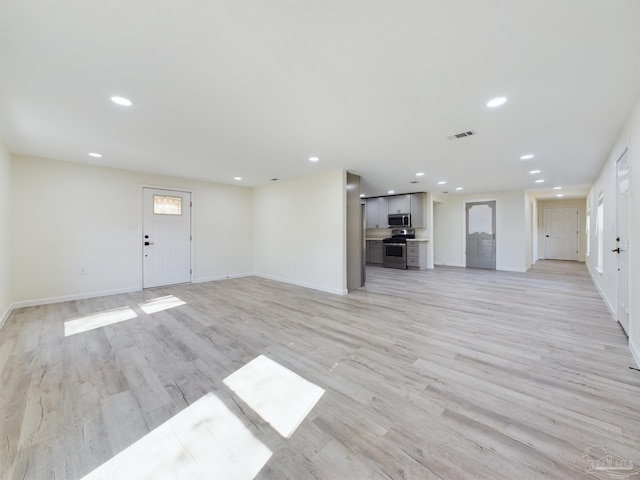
468, 133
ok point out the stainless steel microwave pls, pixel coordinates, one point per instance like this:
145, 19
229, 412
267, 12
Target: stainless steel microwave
399, 220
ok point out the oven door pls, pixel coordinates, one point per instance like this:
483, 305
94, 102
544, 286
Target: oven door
395, 255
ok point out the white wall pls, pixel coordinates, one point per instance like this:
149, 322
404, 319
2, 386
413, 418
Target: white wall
580, 204
5, 227
606, 183
68, 216
449, 229
300, 231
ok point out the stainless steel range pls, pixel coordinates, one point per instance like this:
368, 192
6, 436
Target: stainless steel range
395, 248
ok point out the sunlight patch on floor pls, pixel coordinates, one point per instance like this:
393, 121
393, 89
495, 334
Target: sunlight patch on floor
204, 441
161, 303
281, 397
98, 320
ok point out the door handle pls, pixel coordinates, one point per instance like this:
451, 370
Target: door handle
148, 243
616, 250
547, 236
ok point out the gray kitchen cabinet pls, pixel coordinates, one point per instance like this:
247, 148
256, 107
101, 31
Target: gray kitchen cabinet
417, 255
417, 210
377, 212
400, 204
374, 252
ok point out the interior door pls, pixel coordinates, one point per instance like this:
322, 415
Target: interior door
561, 233
166, 242
622, 239
481, 235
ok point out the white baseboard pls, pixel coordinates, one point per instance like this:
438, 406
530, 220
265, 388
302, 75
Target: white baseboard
458, 265
512, 269
222, 277
612, 310
80, 296
6, 314
312, 286
635, 352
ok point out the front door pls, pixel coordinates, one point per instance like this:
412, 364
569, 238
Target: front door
622, 240
561, 233
481, 235
166, 237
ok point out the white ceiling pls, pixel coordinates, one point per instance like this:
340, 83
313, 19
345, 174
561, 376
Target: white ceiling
253, 88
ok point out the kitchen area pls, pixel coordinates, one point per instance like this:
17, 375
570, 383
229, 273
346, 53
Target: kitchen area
397, 233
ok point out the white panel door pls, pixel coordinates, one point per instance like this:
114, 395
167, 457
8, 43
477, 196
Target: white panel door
166, 242
622, 247
561, 233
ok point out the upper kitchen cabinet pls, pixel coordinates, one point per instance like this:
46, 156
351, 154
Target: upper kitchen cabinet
417, 210
377, 212
400, 204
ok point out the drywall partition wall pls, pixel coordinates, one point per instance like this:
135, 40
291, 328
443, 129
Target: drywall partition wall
605, 184
300, 231
449, 229
534, 230
632, 135
528, 229
5, 212
355, 233
77, 229
604, 276
580, 204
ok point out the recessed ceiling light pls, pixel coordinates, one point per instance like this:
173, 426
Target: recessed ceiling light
496, 102
313, 159
391, 192
540, 181
557, 188
95, 155
362, 194
533, 172
237, 178
560, 195
420, 174
459, 188
528, 156
442, 182
125, 102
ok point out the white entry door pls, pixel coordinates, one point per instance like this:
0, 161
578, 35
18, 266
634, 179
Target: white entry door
166, 237
622, 239
561, 233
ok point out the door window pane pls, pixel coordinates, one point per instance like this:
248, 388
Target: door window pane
480, 219
167, 205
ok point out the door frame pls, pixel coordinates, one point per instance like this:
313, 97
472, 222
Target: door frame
141, 231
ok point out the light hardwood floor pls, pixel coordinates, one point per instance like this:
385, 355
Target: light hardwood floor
443, 374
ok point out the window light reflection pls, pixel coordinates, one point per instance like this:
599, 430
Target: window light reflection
98, 320
281, 397
205, 440
161, 303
